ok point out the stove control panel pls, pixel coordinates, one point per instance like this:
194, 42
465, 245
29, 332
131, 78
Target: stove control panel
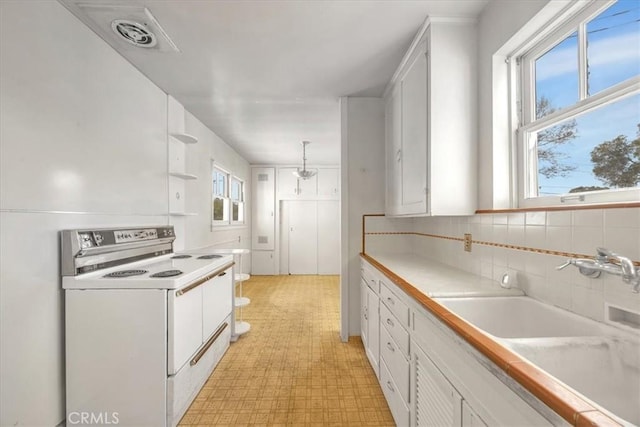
125, 236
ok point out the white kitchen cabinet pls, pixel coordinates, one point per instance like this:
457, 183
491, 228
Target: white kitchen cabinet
437, 403
430, 108
263, 263
328, 183
263, 208
370, 319
290, 187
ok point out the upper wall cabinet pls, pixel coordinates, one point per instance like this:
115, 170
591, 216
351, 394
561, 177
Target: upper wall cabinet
430, 119
323, 185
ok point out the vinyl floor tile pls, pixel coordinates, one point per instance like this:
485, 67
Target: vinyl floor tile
291, 369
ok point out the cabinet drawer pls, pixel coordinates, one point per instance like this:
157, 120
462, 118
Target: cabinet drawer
395, 329
183, 387
397, 306
396, 362
398, 407
370, 278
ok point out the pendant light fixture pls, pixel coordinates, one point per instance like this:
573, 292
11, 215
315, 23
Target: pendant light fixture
304, 173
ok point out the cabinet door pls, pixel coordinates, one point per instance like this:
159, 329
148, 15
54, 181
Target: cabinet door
470, 418
364, 315
308, 188
414, 136
328, 237
287, 183
373, 329
263, 216
263, 263
436, 402
185, 327
328, 182
217, 301
393, 142
303, 237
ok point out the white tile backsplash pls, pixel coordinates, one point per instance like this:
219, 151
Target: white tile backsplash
578, 231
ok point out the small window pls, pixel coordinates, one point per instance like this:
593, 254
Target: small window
237, 201
578, 135
220, 199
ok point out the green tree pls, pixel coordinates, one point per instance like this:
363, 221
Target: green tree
617, 162
551, 161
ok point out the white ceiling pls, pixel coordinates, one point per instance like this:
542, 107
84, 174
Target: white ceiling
267, 74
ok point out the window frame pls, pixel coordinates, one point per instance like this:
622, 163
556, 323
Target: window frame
240, 201
523, 106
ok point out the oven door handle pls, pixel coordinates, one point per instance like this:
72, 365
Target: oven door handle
203, 280
208, 344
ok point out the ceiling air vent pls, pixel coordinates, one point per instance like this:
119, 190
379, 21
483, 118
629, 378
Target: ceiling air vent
134, 33
123, 25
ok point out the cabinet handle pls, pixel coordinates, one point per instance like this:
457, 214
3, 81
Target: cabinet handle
209, 343
390, 322
399, 155
390, 387
390, 347
366, 317
203, 280
391, 301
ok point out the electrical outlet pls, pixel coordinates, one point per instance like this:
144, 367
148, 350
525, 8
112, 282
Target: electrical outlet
467, 242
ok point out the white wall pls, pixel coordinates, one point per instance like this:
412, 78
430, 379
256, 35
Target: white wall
83, 143
198, 192
363, 192
499, 22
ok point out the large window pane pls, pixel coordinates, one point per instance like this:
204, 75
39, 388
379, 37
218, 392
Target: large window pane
220, 209
613, 49
556, 84
597, 150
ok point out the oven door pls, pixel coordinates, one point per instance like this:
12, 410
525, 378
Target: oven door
184, 327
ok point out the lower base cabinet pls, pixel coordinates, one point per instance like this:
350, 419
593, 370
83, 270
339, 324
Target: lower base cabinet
450, 383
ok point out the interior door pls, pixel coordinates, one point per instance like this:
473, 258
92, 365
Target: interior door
303, 237
328, 237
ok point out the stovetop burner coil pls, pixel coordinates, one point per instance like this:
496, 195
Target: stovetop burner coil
210, 256
125, 273
167, 273
183, 256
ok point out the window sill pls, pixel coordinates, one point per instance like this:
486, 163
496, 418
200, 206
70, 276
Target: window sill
562, 208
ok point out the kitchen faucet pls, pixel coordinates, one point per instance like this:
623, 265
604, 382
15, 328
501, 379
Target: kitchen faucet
594, 267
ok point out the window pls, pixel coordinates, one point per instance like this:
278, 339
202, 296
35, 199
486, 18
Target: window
237, 201
227, 198
220, 199
578, 131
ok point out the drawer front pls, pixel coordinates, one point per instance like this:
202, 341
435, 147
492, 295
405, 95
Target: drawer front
398, 407
395, 329
395, 304
370, 277
183, 387
396, 362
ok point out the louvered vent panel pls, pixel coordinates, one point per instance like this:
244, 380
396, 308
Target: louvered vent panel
434, 405
263, 177
263, 239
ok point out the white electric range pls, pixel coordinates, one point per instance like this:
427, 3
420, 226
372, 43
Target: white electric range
145, 327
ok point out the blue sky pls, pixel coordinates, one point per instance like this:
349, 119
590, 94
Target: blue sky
613, 56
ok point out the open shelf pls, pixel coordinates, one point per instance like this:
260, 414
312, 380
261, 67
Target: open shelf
185, 138
241, 301
183, 175
241, 277
242, 327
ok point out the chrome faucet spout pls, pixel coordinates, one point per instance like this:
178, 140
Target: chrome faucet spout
622, 266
